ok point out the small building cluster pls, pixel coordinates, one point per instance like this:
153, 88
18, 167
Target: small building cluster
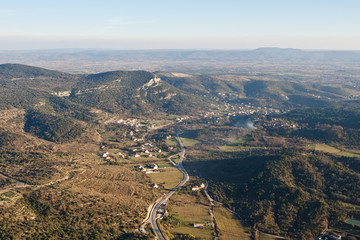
133, 122
327, 236
181, 119
280, 123
146, 149
106, 156
149, 168
197, 187
242, 109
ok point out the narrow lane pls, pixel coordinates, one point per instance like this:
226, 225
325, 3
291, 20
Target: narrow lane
211, 211
19, 184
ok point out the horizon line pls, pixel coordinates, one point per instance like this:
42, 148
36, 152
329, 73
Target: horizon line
174, 49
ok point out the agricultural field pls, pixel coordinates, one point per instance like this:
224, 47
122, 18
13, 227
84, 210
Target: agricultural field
175, 158
185, 210
172, 142
167, 178
189, 142
239, 140
333, 150
229, 225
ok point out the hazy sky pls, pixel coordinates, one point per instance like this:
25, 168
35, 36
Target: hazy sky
194, 24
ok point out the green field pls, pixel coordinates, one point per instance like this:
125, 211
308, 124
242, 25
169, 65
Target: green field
241, 140
230, 227
188, 142
353, 222
172, 142
164, 164
175, 158
169, 177
332, 150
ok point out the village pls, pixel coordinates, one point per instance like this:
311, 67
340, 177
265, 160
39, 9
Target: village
239, 110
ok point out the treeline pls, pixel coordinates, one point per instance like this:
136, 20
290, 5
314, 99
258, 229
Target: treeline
321, 132
8, 71
321, 124
51, 127
344, 117
127, 79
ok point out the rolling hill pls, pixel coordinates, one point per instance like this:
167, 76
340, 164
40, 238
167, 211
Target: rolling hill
128, 92
142, 93
263, 90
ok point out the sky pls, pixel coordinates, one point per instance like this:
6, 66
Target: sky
185, 24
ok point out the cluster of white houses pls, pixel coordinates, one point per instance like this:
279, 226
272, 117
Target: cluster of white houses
133, 122
106, 156
146, 149
149, 168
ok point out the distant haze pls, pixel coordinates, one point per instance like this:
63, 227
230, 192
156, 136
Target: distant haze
187, 24
246, 42
245, 62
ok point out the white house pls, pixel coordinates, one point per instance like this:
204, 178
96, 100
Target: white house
195, 188
153, 166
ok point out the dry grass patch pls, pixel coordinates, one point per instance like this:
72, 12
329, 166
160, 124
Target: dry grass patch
197, 232
168, 177
229, 225
96, 201
266, 237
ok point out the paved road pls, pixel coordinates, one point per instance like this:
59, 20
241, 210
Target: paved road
158, 209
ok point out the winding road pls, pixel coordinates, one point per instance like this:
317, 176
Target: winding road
158, 208
19, 184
